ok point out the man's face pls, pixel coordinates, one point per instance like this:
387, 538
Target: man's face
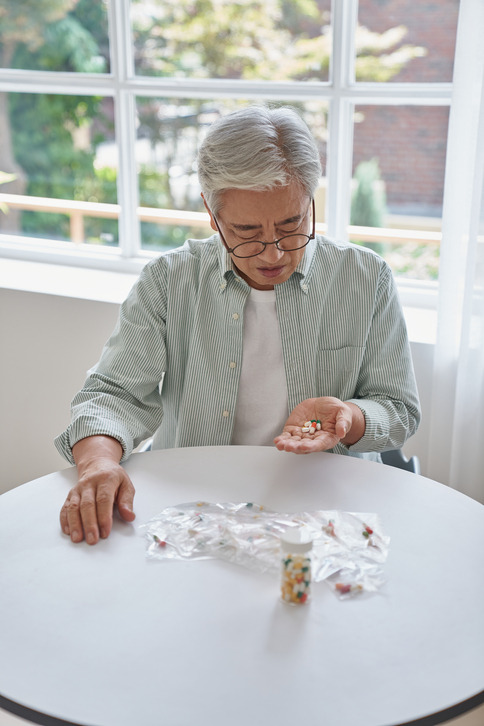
246, 215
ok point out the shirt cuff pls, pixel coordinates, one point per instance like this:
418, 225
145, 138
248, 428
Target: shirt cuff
81, 430
377, 426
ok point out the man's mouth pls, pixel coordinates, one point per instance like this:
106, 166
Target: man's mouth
271, 271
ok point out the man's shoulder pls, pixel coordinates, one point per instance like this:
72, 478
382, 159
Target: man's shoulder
191, 249
189, 255
338, 247
328, 249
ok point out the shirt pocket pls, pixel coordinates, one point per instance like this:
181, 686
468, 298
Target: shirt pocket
338, 371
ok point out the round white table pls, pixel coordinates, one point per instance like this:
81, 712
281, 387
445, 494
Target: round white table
102, 636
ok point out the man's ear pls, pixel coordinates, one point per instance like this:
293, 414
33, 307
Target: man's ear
212, 221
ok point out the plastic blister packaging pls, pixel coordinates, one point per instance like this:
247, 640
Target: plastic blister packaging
348, 552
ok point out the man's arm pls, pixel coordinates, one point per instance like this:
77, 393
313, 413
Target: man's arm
121, 396
88, 510
387, 391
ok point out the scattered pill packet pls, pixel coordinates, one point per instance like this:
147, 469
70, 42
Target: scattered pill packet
348, 552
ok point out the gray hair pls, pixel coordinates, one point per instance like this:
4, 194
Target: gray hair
257, 148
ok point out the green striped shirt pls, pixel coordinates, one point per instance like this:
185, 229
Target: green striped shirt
169, 364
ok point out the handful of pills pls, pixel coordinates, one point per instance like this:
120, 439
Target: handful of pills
310, 427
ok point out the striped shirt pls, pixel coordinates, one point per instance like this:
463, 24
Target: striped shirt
171, 367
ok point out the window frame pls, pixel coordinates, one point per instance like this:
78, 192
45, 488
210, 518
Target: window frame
341, 92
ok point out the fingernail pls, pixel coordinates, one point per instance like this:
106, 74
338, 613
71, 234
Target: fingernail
90, 538
75, 536
103, 533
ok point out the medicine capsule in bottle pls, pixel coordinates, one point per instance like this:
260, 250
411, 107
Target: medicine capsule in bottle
296, 546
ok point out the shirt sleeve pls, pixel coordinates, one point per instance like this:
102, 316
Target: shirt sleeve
121, 396
386, 389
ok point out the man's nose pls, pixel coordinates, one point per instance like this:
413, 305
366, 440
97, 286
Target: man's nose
271, 254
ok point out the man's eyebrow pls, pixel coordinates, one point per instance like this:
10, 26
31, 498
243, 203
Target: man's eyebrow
248, 227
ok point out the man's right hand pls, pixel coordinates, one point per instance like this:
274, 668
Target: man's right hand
88, 510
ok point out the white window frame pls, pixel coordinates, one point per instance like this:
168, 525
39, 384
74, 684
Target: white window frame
341, 92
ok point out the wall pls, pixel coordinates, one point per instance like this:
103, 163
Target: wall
48, 344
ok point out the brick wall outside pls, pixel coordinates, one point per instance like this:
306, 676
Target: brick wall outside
410, 141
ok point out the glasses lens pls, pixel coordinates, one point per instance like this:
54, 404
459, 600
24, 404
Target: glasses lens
248, 249
293, 242
286, 244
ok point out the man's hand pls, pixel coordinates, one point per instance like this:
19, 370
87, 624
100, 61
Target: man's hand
340, 422
88, 510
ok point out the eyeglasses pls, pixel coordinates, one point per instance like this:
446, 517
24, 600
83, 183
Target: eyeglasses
288, 243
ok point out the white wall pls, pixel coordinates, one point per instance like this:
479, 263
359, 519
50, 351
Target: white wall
48, 342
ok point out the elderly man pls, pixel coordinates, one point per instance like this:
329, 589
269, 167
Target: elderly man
244, 337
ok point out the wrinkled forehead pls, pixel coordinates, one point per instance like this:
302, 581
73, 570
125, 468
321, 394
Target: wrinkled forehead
256, 207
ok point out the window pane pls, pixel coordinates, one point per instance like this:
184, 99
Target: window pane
406, 41
271, 40
54, 35
398, 182
58, 150
169, 134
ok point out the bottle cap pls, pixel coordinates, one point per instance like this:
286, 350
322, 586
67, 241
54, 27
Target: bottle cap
297, 540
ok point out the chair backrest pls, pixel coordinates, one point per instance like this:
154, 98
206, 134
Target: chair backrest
396, 457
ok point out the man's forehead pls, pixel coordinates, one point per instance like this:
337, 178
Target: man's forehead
245, 212
258, 225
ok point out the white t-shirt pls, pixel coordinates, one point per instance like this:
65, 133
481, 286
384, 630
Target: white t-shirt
261, 410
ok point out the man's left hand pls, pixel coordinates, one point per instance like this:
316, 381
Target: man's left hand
340, 423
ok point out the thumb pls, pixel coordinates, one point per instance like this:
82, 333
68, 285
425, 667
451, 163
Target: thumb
125, 499
342, 425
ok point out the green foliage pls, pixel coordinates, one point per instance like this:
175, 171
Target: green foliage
380, 56
211, 39
165, 237
368, 203
68, 45
413, 260
24, 21
154, 187
43, 142
52, 134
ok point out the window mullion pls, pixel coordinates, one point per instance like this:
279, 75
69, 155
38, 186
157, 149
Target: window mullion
122, 65
340, 145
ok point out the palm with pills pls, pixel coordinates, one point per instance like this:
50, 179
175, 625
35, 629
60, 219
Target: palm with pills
336, 421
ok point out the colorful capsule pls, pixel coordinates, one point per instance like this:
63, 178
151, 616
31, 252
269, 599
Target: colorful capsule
346, 589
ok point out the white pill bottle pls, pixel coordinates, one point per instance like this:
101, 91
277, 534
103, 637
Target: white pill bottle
296, 576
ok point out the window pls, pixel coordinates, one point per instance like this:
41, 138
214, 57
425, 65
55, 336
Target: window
103, 104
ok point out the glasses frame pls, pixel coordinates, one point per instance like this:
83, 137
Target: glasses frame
232, 250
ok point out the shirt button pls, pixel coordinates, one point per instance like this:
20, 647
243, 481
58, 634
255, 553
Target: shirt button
225, 414
235, 316
232, 364
305, 288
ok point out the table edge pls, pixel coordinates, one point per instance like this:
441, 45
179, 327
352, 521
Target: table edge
34, 716
458, 709
44, 719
